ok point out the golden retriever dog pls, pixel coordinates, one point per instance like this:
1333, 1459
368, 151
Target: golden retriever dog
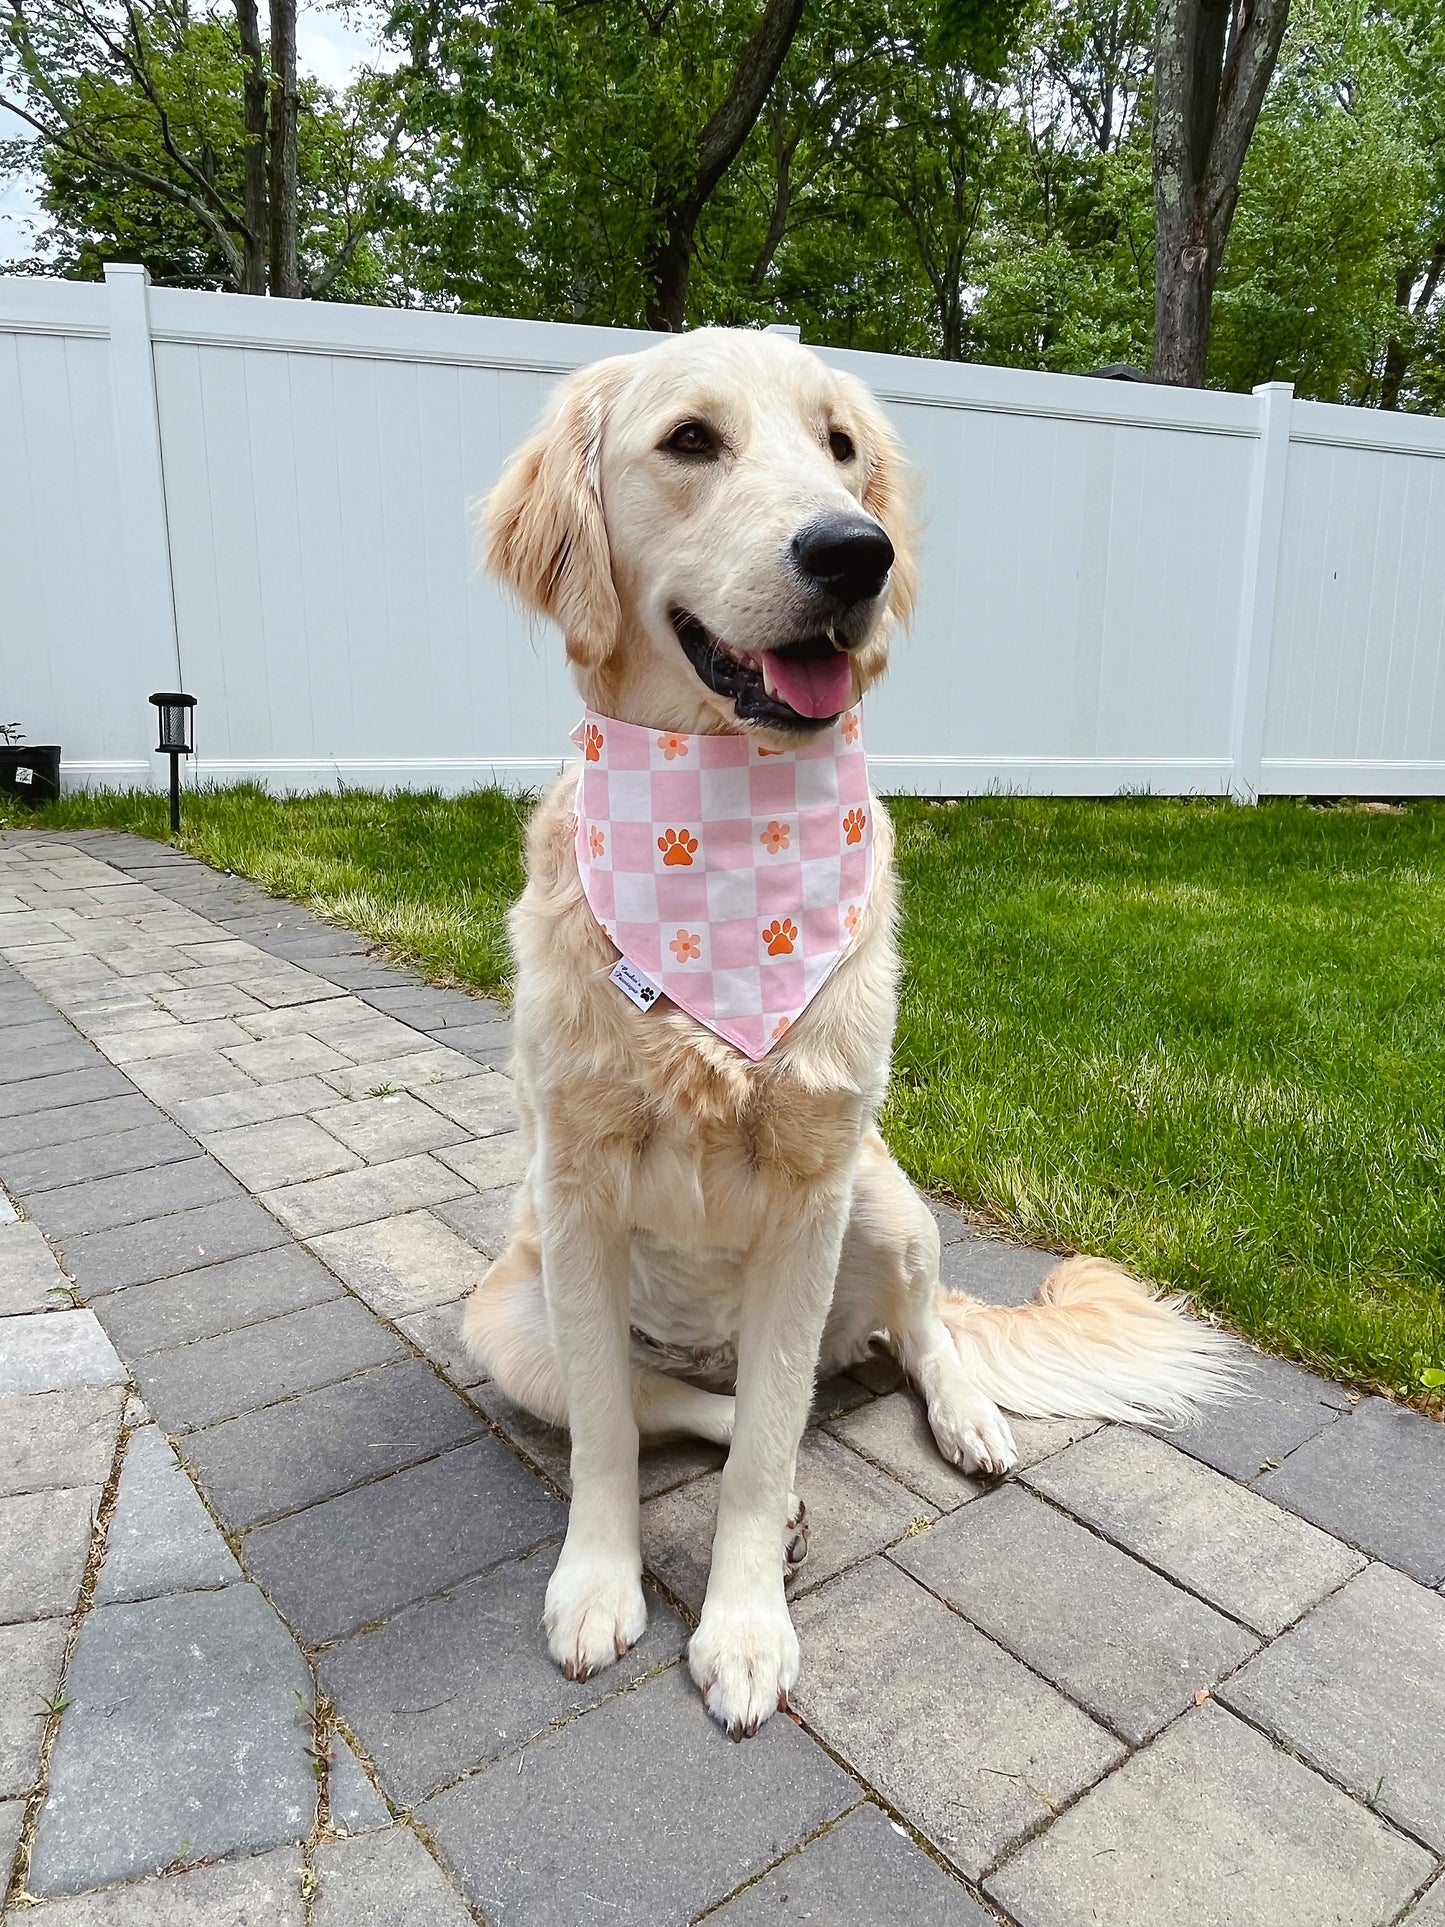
719, 525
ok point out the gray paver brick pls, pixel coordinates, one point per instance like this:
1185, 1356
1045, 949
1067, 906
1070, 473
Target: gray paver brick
102, 1117
12, 1813
462, 1679
853, 1510
428, 1007
324, 1442
486, 1220
380, 1129
1430, 1910
557, 1843
44, 1544
140, 1044
50, 1351
863, 1872
217, 1298
1281, 1406
1127, 1645
361, 1197
384, 1880
1214, 1826
278, 1060
48, 1056
483, 1104
987, 1268
29, 1668
183, 1733
160, 1538
219, 1378
28, 1271
894, 1432
261, 1890
281, 1150
254, 1104
488, 1162
1378, 1480
404, 1263
67, 1088
50, 1167
100, 1204
50, 1439
200, 1073
438, 1332
370, 1552
1357, 1689
1221, 1540
418, 1071
952, 1731
354, 1802
135, 1254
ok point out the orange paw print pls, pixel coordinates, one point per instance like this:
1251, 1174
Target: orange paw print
592, 743
853, 826
783, 1023
677, 846
672, 746
850, 727
777, 836
596, 841
686, 946
853, 919
780, 937
771, 752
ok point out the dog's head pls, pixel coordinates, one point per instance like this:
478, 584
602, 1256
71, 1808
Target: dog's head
719, 525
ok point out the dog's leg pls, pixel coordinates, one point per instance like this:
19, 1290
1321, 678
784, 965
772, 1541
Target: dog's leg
595, 1608
744, 1654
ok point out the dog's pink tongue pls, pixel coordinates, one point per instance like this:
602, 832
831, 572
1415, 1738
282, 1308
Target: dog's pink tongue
813, 685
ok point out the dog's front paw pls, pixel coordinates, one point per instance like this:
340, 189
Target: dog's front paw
976, 1438
595, 1610
745, 1661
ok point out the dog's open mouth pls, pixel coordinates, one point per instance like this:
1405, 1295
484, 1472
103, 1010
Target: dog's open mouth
797, 686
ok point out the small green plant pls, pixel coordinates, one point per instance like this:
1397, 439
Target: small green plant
383, 1090
51, 1704
70, 1293
1433, 1378
12, 735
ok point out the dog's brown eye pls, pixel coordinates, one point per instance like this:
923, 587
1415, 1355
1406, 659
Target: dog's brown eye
692, 438
841, 446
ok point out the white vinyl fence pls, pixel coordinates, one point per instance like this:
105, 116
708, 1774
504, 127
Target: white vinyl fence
266, 503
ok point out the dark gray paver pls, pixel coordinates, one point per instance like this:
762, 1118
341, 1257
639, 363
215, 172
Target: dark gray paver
1279, 1407
29, 1275
459, 1680
1119, 1639
184, 1738
260, 1890
1221, 1540
557, 1844
384, 1880
1003, 1274
50, 1055
1357, 1689
1213, 1826
30, 1656
368, 1553
952, 1225
12, 1814
103, 1117
486, 1219
218, 1378
66, 1088
136, 1253
50, 1167
99, 1204
52, 1439
324, 1442
47, 1351
428, 1008
160, 1538
438, 1332
217, 1298
1378, 1480
44, 1544
894, 1433
863, 1872
968, 1743
853, 1510
354, 1803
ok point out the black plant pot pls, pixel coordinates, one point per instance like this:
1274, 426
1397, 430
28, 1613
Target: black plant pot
31, 772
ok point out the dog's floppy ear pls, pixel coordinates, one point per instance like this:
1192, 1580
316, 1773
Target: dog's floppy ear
547, 538
888, 495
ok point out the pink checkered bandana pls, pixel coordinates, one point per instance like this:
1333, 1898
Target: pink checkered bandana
732, 876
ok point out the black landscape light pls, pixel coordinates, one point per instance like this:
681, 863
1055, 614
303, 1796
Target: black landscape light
175, 726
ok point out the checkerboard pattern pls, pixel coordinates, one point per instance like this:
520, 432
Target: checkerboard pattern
734, 876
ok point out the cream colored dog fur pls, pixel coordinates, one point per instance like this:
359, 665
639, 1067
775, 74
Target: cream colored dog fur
746, 1217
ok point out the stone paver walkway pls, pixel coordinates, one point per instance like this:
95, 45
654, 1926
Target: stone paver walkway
273, 1552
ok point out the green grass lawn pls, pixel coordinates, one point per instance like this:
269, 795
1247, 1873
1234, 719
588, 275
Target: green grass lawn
1208, 1041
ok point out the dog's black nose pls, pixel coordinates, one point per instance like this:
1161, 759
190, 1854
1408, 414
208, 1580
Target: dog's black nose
848, 555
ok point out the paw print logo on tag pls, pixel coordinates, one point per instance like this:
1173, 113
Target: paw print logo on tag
592, 743
853, 826
677, 846
780, 937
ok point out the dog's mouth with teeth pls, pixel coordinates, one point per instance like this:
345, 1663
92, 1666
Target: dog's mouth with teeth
804, 685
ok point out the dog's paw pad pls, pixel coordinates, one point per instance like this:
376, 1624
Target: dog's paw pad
594, 1613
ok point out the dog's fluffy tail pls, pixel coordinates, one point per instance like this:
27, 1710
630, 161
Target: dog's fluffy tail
1093, 1343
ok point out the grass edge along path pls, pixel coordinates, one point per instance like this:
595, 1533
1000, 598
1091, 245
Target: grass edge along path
1204, 1040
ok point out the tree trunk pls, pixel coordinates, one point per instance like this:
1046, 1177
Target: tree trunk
1212, 63
679, 204
1398, 354
285, 107
253, 238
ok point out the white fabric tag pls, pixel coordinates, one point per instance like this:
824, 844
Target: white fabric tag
637, 988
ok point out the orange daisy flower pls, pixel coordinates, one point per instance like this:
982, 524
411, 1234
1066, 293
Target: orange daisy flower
672, 746
777, 836
596, 841
853, 919
686, 946
850, 726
